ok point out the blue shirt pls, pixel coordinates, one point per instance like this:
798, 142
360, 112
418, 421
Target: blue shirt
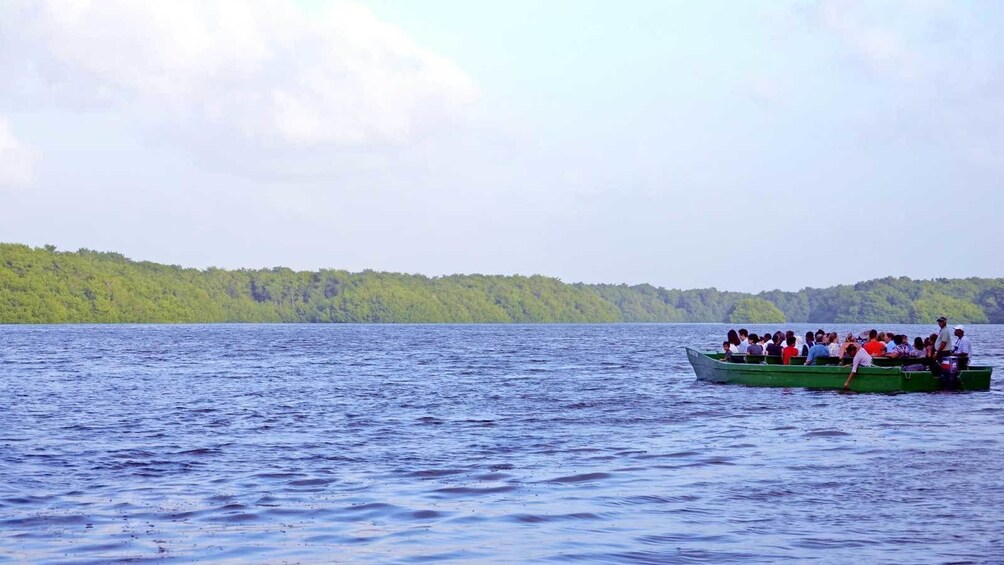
817, 350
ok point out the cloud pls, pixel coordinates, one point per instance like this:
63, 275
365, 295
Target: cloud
264, 72
17, 162
880, 46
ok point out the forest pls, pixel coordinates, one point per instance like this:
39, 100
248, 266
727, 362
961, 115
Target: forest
42, 285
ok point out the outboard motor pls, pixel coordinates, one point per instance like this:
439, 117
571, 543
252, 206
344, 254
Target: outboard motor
950, 376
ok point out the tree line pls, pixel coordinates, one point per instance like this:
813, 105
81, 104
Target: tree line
44, 285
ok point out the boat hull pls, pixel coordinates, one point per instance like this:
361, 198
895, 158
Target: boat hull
867, 379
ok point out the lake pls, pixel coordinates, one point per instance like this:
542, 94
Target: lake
474, 443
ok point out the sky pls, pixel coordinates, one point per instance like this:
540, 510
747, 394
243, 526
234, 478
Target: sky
742, 145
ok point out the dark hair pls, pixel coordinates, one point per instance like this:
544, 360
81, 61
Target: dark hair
820, 331
754, 338
777, 337
791, 340
733, 337
744, 332
918, 343
851, 348
873, 334
726, 344
809, 336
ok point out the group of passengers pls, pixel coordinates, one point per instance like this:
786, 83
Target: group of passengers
858, 351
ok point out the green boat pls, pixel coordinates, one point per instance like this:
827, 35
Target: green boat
764, 371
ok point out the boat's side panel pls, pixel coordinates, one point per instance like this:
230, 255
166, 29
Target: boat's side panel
868, 379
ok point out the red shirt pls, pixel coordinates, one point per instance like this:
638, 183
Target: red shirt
875, 348
787, 353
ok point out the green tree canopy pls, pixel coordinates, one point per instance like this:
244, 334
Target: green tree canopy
43, 285
755, 311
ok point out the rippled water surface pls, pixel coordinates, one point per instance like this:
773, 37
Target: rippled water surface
547, 443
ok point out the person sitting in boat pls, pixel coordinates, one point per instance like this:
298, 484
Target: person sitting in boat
744, 340
848, 341
929, 346
817, 351
733, 340
901, 349
727, 346
873, 346
861, 359
754, 348
774, 348
885, 338
788, 352
963, 348
798, 340
810, 340
917, 352
833, 343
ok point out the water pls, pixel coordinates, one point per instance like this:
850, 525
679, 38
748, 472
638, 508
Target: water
495, 443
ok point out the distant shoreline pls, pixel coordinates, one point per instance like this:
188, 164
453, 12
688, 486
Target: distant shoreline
44, 286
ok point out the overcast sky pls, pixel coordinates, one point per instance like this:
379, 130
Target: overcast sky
743, 145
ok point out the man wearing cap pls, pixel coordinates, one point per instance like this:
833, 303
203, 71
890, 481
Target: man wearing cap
963, 348
943, 345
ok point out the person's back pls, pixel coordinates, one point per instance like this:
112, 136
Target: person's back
810, 340
873, 346
834, 345
774, 348
754, 348
861, 359
815, 352
788, 352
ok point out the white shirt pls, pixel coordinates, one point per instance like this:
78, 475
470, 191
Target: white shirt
861, 358
834, 349
944, 336
743, 346
963, 346
733, 348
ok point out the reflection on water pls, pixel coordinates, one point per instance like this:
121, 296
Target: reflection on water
473, 443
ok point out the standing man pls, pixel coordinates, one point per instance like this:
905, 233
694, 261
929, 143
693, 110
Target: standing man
963, 349
942, 345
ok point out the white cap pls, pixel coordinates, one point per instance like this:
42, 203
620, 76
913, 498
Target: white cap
960, 328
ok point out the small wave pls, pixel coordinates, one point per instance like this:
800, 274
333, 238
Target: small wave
474, 491
277, 475
432, 473
580, 478
311, 482
539, 518
826, 433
